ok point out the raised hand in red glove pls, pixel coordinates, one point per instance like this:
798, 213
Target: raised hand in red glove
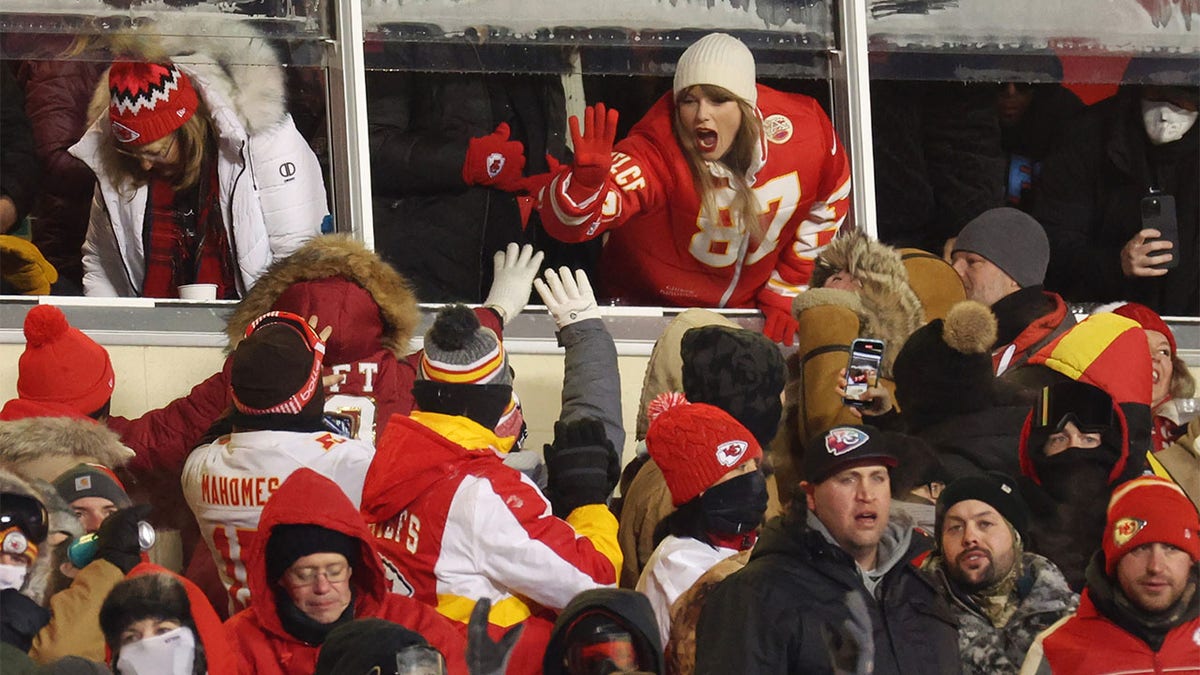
779, 326
593, 150
494, 160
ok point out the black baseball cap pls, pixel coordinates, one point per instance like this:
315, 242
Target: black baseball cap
842, 446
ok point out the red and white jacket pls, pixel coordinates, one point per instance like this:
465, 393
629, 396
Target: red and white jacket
1089, 643
454, 525
228, 482
661, 250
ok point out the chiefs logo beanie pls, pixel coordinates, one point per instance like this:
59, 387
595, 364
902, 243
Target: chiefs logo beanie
149, 101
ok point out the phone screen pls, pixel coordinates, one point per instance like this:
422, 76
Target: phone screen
862, 372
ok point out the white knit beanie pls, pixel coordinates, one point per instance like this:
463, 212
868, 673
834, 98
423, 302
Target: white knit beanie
718, 59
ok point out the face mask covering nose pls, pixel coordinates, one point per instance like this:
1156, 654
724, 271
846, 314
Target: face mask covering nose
12, 576
1166, 122
171, 653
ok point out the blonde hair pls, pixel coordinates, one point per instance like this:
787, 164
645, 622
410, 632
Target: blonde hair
193, 140
1183, 385
738, 159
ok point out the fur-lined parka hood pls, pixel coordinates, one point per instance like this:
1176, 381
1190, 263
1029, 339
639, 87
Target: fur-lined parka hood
39, 582
368, 303
37, 438
886, 305
238, 76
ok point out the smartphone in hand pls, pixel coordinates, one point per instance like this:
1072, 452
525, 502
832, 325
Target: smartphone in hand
1158, 212
862, 372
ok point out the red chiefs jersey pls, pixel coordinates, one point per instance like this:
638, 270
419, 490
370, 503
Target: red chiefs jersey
662, 251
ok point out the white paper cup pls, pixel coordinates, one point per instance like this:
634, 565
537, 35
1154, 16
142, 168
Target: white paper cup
198, 292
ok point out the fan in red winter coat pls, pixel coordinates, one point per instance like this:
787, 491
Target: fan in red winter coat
153, 614
311, 568
721, 196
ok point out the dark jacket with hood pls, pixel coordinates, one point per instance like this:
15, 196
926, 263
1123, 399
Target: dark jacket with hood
769, 617
258, 635
436, 229
1066, 492
627, 608
1089, 200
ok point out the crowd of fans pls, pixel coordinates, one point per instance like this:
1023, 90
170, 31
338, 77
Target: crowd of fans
1017, 492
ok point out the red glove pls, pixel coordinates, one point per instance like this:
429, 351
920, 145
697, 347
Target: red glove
494, 161
593, 150
779, 326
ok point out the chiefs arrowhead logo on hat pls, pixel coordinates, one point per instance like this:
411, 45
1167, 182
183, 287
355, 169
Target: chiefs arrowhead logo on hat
123, 133
841, 440
495, 164
1126, 529
729, 452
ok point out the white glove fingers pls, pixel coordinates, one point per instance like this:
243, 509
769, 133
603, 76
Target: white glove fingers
568, 282
584, 285
544, 292
556, 287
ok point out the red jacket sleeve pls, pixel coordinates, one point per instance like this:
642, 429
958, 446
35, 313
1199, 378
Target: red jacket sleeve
163, 438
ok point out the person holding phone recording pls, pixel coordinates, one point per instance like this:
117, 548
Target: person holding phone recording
1119, 198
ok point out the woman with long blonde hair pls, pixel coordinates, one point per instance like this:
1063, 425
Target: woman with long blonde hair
202, 177
721, 196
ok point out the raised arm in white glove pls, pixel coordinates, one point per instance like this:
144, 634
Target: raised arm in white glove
515, 267
569, 298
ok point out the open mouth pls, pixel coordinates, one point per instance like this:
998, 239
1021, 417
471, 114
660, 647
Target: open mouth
706, 139
867, 519
973, 557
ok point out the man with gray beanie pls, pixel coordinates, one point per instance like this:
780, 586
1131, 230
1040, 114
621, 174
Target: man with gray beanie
1001, 595
1001, 257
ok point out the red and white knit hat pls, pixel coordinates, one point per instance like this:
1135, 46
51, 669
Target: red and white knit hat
1147, 510
695, 444
149, 101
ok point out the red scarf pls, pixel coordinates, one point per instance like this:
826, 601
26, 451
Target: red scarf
185, 239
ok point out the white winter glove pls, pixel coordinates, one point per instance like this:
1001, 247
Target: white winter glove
569, 299
515, 267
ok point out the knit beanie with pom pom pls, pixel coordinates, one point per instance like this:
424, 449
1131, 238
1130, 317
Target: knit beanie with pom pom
945, 368
61, 365
463, 369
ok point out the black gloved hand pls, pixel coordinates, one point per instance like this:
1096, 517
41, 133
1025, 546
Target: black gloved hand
117, 538
582, 465
485, 656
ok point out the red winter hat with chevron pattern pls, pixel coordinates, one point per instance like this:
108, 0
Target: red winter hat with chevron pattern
695, 444
149, 101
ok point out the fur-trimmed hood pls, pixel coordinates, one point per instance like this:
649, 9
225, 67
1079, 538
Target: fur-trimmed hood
238, 76
886, 305
39, 440
38, 580
368, 303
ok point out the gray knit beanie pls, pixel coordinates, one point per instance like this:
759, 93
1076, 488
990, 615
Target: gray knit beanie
1012, 240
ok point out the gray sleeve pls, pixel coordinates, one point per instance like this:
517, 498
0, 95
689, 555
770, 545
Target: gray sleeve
591, 381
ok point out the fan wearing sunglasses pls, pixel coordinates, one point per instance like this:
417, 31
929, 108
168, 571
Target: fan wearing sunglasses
201, 174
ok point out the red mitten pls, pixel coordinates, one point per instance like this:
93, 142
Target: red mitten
779, 326
593, 150
494, 160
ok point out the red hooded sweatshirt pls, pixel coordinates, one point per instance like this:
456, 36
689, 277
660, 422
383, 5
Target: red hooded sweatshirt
257, 635
208, 626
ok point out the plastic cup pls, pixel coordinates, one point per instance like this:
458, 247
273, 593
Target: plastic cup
198, 292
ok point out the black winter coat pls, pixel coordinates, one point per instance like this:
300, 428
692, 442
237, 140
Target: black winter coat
768, 617
1089, 200
438, 231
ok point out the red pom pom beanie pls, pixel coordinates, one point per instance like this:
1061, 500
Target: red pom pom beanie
62, 365
149, 101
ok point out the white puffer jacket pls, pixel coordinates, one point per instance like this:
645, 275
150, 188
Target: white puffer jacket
272, 192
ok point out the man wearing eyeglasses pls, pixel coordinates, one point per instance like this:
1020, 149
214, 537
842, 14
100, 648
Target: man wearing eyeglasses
314, 568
